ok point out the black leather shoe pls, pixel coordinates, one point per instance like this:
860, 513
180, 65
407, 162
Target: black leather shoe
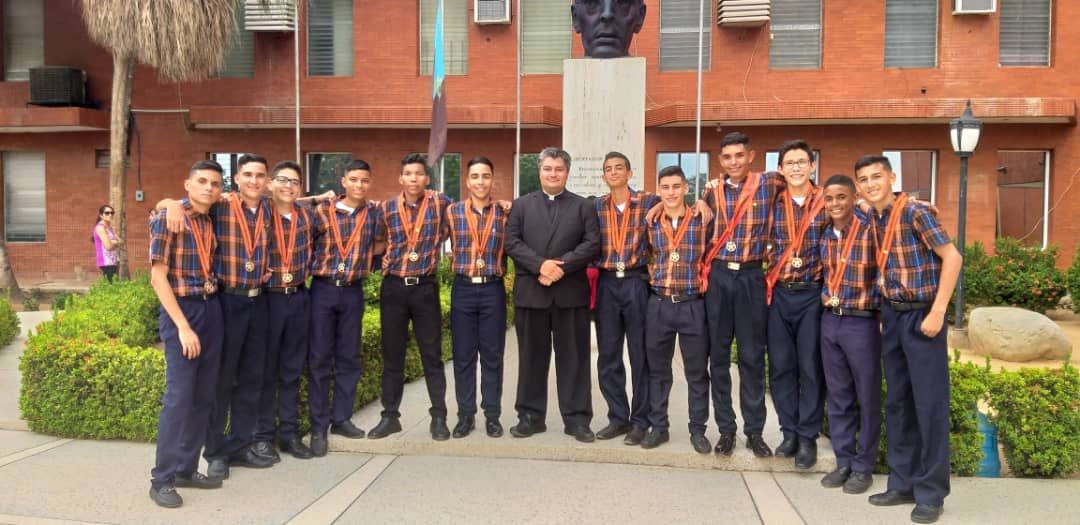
890, 498
298, 449
266, 450
526, 427
493, 427
166, 496
654, 438
438, 428
701, 443
387, 425
807, 454
465, 426
836, 478
787, 447
348, 429
580, 433
758, 445
634, 437
923, 513
218, 469
613, 430
318, 444
858, 483
197, 481
726, 444
249, 459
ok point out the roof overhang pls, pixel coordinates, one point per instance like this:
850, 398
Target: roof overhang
33, 119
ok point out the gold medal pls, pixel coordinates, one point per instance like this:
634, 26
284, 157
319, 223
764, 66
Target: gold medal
286, 277
341, 267
796, 262
731, 246
479, 263
834, 301
620, 267
249, 266
674, 257
413, 256
209, 287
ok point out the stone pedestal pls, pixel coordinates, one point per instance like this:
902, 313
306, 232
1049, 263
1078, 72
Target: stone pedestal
603, 110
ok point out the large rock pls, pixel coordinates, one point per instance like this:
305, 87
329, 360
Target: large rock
1015, 334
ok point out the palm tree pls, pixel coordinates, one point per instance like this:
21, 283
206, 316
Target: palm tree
184, 40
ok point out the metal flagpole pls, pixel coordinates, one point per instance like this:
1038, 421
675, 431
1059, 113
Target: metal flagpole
296, 74
517, 108
700, 65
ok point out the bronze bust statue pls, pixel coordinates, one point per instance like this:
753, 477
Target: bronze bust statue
607, 26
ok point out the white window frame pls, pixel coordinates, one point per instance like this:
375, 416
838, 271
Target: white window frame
896, 36
24, 48
1046, 190
455, 36
31, 216
672, 30
1049, 36
239, 59
341, 28
895, 156
794, 27
532, 36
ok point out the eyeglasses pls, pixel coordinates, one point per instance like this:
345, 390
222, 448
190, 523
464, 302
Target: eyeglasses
802, 163
110, 212
283, 180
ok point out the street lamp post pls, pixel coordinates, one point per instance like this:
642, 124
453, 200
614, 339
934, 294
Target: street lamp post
964, 132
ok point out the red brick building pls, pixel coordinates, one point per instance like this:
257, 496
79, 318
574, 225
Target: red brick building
852, 77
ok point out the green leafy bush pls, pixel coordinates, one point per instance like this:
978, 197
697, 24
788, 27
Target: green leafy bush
1072, 280
1038, 420
60, 300
9, 322
1016, 275
31, 303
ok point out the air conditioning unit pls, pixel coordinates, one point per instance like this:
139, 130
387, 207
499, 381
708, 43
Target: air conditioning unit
57, 86
491, 11
974, 7
270, 15
742, 13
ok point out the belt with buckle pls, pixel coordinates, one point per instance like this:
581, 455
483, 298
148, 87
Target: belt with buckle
637, 271
340, 283
678, 298
242, 292
850, 312
739, 266
203, 296
800, 285
901, 306
286, 290
412, 280
479, 279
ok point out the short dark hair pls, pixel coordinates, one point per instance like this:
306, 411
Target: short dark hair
671, 171
357, 164
617, 155
735, 138
251, 157
414, 158
286, 165
480, 159
867, 160
551, 152
793, 145
206, 164
841, 180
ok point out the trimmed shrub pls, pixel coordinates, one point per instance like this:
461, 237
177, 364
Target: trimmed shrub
1072, 280
60, 300
9, 322
31, 303
124, 310
1038, 420
1016, 275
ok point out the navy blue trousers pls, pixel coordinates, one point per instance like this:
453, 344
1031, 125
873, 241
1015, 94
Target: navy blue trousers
478, 325
337, 316
736, 309
796, 381
189, 389
620, 317
239, 385
687, 320
851, 354
398, 304
916, 406
286, 352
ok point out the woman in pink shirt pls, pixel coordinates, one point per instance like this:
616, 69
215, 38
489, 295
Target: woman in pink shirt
106, 242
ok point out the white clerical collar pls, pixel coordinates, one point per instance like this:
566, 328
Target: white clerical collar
551, 197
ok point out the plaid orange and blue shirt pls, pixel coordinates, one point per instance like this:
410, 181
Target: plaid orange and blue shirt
325, 257
810, 270
636, 250
752, 234
682, 277
301, 248
232, 255
179, 252
433, 232
462, 260
857, 289
912, 271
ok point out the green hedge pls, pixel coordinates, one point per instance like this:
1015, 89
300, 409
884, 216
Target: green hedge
9, 322
1072, 280
1016, 275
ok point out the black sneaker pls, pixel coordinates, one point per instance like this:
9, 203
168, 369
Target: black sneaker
166, 496
197, 481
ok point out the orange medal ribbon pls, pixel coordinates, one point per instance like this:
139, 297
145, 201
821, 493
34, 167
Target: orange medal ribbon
621, 228
836, 273
412, 228
791, 254
250, 239
674, 240
285, 250
890, 232
202, 249
344, 251
746, 196
479, 238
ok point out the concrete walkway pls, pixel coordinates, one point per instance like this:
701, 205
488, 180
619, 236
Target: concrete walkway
408, 478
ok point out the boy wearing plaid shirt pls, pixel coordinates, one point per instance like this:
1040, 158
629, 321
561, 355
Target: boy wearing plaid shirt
191, 327
676, 308
917, 271
850, 338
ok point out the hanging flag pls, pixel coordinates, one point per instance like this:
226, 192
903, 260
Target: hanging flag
437, 141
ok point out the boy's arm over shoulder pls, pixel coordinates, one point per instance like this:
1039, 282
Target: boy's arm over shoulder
927, 228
